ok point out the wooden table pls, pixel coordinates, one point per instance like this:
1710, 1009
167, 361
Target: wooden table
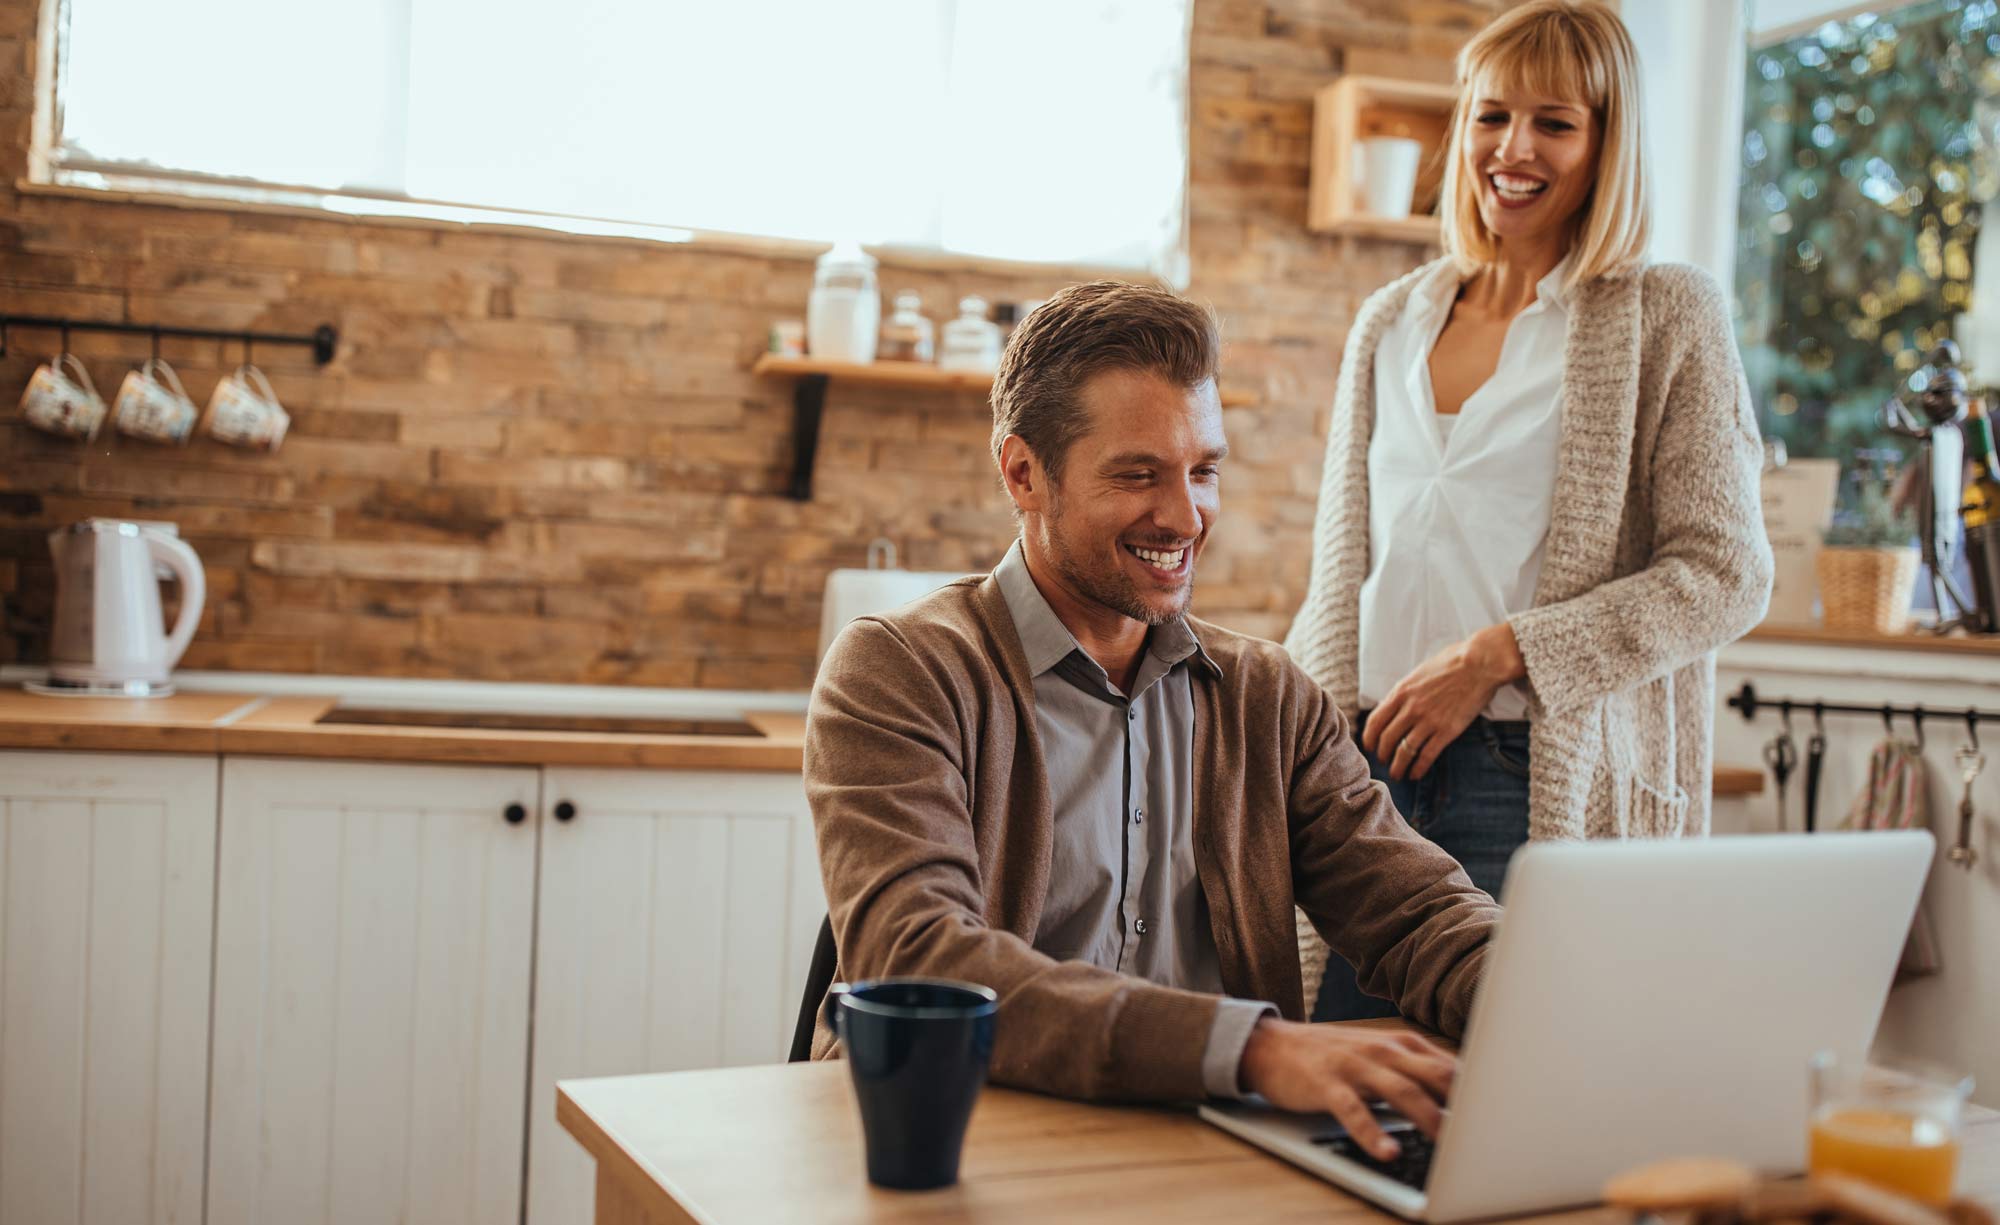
783, 1143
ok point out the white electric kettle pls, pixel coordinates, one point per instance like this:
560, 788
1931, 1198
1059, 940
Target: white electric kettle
110, 634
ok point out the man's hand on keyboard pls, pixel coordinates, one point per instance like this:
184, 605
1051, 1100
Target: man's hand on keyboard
1340, 1069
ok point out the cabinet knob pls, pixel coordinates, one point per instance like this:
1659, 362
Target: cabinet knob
565, 811
516, 814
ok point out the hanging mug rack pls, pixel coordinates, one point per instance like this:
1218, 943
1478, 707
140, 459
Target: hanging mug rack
322, 339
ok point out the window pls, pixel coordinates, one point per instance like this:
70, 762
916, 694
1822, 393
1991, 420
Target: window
1869, 156
1046, 130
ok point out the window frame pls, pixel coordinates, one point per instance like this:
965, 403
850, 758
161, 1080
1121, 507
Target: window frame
50, 173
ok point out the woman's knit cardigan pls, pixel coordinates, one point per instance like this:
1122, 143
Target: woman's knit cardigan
1656, 554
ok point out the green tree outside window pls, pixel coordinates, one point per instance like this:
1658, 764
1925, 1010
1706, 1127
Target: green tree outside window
1868, 152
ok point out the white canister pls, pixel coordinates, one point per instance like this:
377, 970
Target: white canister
844, 313
1389, 174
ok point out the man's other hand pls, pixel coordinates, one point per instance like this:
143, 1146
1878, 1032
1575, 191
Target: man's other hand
1341, 1069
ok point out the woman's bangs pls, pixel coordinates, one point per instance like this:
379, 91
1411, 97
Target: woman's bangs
1542, 60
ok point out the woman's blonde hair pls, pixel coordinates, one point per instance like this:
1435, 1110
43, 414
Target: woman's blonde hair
1578, 51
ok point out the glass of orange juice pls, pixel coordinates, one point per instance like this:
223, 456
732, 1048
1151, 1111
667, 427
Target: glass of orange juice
1894, 1123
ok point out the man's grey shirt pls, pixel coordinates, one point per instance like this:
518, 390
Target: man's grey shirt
1124, 893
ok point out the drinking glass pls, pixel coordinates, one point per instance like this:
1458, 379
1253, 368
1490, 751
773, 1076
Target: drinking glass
1893, 1123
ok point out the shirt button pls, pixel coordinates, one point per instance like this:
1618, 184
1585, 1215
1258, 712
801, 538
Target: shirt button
1131, 713
1138, 816
1139, 925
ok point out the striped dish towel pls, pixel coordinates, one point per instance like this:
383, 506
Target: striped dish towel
1898, 796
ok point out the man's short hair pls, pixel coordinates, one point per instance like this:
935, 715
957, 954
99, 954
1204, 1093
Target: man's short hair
1101, 325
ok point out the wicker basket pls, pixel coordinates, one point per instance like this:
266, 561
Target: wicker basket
1866, 589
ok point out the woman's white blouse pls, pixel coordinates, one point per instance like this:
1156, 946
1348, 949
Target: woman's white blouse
1458, 512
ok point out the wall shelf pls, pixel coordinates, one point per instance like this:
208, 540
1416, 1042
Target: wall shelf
874, 374
1422, 229
810, 377
1918, 639
1351, 110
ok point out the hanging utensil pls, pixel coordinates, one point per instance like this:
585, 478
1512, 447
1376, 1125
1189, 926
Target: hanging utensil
1970, 762
1815, 764
1782, 756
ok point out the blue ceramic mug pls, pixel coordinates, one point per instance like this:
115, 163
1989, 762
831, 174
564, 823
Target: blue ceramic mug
917, 1049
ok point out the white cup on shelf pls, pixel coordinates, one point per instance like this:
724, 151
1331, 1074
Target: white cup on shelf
1389, 174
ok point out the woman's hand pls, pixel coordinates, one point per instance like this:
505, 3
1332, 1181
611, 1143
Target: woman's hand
1430, 707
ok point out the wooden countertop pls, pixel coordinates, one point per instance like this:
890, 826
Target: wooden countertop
1915, 640
288, 727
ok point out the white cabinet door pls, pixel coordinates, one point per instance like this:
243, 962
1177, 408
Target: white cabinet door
373, 948
678, 910
107, 866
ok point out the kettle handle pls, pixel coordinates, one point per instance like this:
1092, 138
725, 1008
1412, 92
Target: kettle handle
194, 588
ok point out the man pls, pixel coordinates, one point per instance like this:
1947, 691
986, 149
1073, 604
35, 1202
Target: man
1050, 780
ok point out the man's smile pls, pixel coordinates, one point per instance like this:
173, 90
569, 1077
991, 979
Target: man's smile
1165, 564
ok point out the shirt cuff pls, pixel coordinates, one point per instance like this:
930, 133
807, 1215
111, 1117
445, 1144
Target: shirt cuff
1222, 1061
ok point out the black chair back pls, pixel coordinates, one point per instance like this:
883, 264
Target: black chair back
818, 978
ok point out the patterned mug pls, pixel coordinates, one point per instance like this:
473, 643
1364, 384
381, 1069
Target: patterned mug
153, 406
244, 411
62, 400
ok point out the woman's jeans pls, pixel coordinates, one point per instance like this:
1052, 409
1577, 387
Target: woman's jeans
1473, 802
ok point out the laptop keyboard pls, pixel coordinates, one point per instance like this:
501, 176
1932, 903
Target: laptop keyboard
1411, 1167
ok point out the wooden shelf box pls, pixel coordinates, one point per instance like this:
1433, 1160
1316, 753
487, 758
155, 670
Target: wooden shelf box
1353, 109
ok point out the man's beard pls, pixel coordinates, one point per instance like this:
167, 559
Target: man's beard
1114, 590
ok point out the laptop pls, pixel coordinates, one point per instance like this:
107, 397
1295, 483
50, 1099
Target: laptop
1642, 1000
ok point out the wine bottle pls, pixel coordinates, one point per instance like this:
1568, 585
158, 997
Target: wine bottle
1981, 514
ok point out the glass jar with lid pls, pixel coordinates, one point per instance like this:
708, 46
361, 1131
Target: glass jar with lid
971, 341
908, 336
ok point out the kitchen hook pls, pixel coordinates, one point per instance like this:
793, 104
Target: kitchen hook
1815, 765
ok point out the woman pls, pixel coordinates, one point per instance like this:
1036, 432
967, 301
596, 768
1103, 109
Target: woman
1539, 514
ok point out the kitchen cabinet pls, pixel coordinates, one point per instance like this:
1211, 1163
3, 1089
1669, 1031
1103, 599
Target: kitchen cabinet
380, 938
676, 921
106, 887
374, 942
378, 929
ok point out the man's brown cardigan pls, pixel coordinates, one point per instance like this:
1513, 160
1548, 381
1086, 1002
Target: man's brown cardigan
924, 770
